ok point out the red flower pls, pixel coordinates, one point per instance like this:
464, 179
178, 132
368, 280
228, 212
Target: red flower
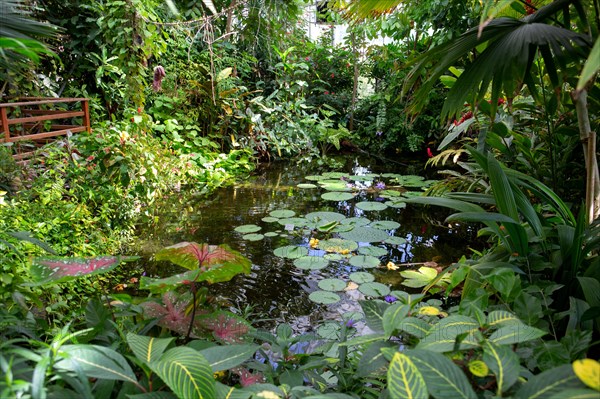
139, 110
332, 75
429, 153
90, 158
326, 93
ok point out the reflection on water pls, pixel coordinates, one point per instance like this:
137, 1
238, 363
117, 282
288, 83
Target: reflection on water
275, 288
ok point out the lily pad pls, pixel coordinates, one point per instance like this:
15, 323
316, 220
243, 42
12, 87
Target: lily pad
365, 234
253, 237
311, 263
422, 277
372, 251
332, 284
329, 330
335, 186
365, 261
291, 252
356, 221
314, 177
385, 225
306, 185
374, 289
371, 206
392, 240
270, 219
282, 213
324, 297
398, 204
324, 216
271, 234
360, 178
338, 245
294, 222
389, 193
337, 196
334, 175
332, 256
340, 228
247, 228
362, 277
412, 194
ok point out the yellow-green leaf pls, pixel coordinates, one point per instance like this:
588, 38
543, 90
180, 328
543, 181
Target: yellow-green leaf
405, 380
478, 368
588, 371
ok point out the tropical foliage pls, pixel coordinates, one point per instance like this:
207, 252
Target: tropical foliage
188, 96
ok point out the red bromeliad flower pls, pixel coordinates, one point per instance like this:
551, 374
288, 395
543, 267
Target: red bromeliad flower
429, 153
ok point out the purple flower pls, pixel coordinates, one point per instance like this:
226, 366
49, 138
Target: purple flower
380, 185
379, 133
350, 323
379, 199
390, 298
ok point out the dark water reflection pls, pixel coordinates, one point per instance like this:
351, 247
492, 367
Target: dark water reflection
275, 288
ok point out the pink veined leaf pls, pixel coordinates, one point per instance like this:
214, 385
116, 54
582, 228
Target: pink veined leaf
192, 255
225, 327
56, 270
172, 313
247, 378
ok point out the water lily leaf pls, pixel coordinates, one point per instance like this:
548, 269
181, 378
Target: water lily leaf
396, 203
282, 213
253, 237
247, 228
293, 222
333, 256
291, 252
365, 261
385, 225
374, 289
356, 221
362, 277
412, 194
57, 270
335, 186
306, 185
365, 234
372, 251
270, 219
324, 216
371, 206
315, 177
338, 245
324, 297
271, 234
420, 278
337, 196
341, 228
335, 175
332, 284
389, 193
329, 330
311, 263
395, 240
391, 175
361, 178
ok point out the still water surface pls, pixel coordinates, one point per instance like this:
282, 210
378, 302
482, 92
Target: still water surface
276, 289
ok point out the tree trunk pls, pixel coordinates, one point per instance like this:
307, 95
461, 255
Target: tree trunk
588, 141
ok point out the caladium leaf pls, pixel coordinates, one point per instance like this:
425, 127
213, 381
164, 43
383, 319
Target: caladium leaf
46, 270
192, 255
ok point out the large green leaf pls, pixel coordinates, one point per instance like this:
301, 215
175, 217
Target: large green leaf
404, 379
414, 326
444, 379
503, 362
592, 65
550, 382
186, 372
374, 311
148, 349
96, 362
228, 356
393, 316
442, 337
372, 360
515, 333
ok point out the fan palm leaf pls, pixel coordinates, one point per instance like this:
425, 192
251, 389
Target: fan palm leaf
505, 64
